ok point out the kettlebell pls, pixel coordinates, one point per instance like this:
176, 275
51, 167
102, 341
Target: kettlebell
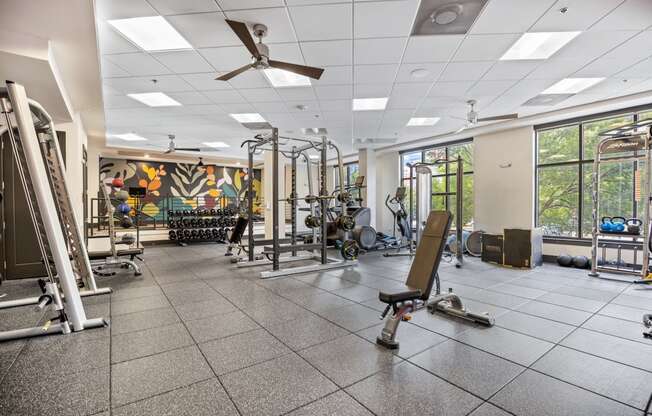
606, 225
619, 225
634, 226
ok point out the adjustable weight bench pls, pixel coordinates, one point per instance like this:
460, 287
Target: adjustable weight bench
423, 275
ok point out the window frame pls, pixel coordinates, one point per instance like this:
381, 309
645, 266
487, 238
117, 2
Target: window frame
447, 175
581, 163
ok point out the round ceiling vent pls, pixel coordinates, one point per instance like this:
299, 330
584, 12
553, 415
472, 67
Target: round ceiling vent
419, 73
446, 14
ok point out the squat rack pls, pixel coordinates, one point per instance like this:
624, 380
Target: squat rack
270, 142
631, 142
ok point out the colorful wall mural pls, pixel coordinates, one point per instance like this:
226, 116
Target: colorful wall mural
180, 185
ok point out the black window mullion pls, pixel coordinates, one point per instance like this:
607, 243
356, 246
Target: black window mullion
580, 183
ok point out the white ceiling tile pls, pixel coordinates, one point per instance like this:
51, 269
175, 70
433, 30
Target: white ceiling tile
434, 70
484, 47
224, 96
580, 15
166, 7
335, 75
109, 90
431, 48
270, 107
277, 20
297, 94
251, 78
509, 16
203, 109
411, 89
183, 62
384, 18
122, 9
505, 70
378, 51
121, 101
591, 45
165, 83
489, 88
450, 89
311, 2
256, 95
226, 58
465, 71
205, 30
621, 86
641, 69
528, 88
206, 81
335, 105
189, 98
328, 53
286, 52
603, 67
109, 69
372, 90
556, 68
138, 63
374, 74
631, 15
635, 48
112, 42
248, 4
307, 105
334, 92
235, 108
335, 21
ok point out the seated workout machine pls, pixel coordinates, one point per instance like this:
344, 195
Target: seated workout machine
423, 275
396, 205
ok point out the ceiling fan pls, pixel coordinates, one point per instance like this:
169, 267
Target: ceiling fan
260, 54
472, 117
173, 148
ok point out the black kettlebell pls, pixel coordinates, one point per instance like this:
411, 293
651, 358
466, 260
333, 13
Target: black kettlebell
634, 226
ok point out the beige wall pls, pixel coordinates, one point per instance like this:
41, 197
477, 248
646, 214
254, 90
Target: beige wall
75, 141
386, 179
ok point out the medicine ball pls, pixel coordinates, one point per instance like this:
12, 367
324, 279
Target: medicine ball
126, 222
565, 260
581, 262
123, 208
128, 238
122, 196
117, 183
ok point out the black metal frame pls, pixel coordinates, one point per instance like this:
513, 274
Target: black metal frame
581, 163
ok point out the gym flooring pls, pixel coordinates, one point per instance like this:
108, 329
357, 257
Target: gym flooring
196, 336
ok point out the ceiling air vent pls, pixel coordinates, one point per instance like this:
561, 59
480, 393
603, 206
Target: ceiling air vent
542, 100
314, 131
443, 17
371, 142
258, 125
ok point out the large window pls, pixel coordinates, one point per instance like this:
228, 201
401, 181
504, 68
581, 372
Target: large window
351, 172
444, 177
564, 168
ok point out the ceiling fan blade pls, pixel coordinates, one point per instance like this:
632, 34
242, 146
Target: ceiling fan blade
307, 71
188, 149
168, 151
242, 32
231, 74
461, 129
496, 118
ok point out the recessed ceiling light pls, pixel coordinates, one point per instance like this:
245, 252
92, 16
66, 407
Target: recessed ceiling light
129, 137
368, 104
314, 156
419, 73
248, 118
280, 78
217, 145
539, 45
423, 121
154, 99
572, 85
447, 14
152, 33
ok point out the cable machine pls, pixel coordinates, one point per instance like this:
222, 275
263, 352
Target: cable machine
31, 135
318, 208
627, 143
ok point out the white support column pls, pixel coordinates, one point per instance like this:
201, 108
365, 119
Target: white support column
367, 167
267, 185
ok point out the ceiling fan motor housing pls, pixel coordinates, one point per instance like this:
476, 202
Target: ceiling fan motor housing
261, 63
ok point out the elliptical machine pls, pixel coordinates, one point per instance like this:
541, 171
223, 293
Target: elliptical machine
396, 206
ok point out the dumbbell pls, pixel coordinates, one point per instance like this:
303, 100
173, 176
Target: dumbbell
193, 223
171, 223
172, 235
170, 213
200, 234
193, 234
186, 234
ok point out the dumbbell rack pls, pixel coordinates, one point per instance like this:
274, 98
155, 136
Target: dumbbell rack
200, 225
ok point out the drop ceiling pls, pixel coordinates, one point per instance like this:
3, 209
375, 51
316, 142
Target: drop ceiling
367, 51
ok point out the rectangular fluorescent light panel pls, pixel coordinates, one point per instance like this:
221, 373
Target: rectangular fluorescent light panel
572, 85
216, 145
152, 33
540, 45
154, 99
280, 78
368, 104
248, 118
129, 137
423, 121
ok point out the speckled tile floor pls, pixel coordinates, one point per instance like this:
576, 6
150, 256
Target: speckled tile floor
196, 336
